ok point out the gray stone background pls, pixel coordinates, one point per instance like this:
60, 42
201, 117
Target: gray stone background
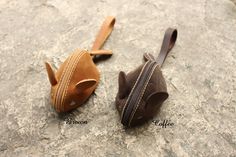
200, 73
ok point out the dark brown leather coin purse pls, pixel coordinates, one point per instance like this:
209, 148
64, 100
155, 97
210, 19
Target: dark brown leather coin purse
142, 91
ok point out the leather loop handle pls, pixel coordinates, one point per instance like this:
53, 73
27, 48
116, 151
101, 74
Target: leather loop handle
104, 33
167, 44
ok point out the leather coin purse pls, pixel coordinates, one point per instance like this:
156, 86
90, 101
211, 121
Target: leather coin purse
78, 76
142, 91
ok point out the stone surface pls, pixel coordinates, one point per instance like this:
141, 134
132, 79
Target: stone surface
200, 74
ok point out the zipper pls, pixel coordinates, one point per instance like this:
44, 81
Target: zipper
72, 69
137, 92
58, 89
65, 77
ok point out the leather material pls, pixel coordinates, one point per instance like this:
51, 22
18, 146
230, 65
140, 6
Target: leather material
78, 76
142, 91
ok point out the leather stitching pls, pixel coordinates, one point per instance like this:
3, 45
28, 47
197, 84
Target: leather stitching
125, 106
72, 71
143, 91
59, 85
67, 70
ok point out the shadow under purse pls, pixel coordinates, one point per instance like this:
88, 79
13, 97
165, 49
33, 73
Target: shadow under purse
78, 76
142, 91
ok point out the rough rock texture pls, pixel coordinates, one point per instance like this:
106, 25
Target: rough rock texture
200, 74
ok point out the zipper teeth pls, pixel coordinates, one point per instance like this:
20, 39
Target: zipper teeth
143, 91
133, 90
62, 85
69, 79
138, 89
125, 106
69, 72
59, 83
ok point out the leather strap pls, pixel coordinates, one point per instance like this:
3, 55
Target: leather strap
167, 44
102, 35
101, 52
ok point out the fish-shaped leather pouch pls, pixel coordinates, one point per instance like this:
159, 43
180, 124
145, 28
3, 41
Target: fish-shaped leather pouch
142, 91
78, 76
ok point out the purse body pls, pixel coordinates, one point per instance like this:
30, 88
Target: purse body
78, 76
78, 67
142, 91
145, 91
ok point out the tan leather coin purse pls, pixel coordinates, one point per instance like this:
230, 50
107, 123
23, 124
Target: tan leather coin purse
78, 76
143, 90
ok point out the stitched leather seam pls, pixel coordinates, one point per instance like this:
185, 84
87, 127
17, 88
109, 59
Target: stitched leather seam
74, 56
77, 58
125, 106
67, 69
69, 80
59, 84
143, 91
141, 83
